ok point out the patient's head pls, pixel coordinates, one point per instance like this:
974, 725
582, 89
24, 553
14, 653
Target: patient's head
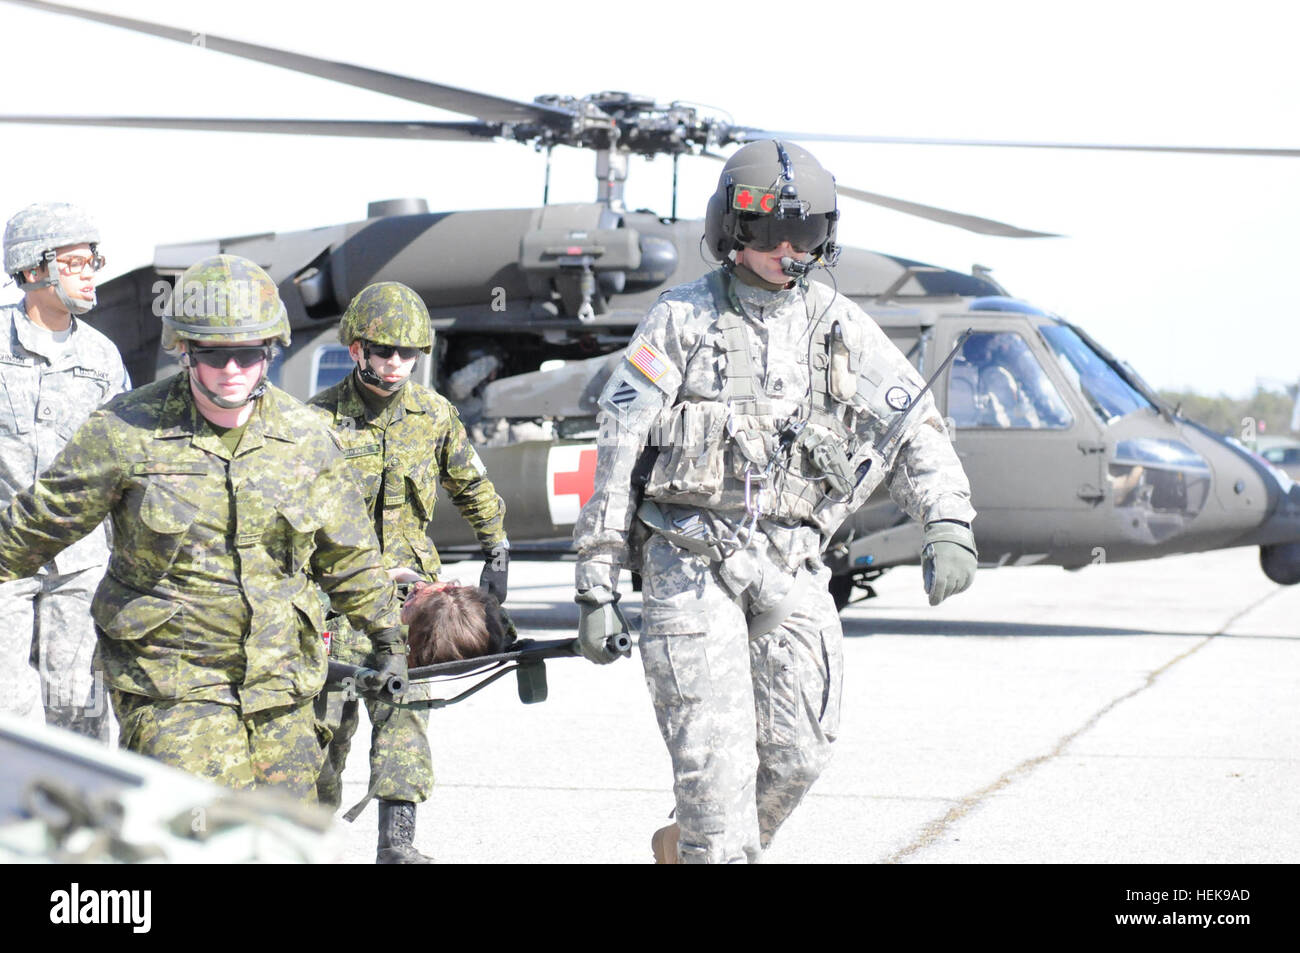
448, 621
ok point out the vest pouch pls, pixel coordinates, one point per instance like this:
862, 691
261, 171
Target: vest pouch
869, 471
690, 462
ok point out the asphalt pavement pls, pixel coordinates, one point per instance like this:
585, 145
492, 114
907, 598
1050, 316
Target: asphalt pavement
1140, 713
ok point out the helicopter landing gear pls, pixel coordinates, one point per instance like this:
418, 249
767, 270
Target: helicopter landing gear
841, 587
1281, 563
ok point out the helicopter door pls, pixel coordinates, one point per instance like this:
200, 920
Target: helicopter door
1026, 447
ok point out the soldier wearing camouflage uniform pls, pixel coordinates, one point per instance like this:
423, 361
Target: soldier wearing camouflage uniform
230, 505
755, 407
54, 370
402, 440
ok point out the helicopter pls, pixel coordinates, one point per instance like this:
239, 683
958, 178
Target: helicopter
534, 305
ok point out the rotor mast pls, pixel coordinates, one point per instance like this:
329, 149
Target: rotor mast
611, 176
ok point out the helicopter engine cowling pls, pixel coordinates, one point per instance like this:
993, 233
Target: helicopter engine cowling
1281, 563
473, 258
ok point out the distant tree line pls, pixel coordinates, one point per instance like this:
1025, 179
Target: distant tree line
1270, 410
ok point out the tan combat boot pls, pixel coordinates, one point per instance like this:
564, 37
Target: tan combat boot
663, 843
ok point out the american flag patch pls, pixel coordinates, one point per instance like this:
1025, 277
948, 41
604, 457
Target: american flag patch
646, 360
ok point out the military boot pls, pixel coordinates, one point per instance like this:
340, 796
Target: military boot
663, 843
397, 833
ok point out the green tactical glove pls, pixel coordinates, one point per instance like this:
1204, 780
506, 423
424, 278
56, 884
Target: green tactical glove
599, 618
948, 559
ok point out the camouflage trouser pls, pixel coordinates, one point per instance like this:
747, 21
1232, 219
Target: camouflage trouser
45, 620
277, 748
748, 722
401, 765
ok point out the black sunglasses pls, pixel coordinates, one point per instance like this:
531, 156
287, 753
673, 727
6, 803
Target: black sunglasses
385, 351
221, 356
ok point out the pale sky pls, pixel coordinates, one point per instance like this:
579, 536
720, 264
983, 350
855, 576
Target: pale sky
1183, 265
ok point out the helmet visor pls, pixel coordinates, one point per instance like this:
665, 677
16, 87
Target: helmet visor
765, 232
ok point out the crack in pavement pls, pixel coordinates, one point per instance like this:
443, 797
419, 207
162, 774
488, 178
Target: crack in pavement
937, 827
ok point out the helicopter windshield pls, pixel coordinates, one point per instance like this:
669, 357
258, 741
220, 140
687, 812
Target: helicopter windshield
1107, 393
997, 382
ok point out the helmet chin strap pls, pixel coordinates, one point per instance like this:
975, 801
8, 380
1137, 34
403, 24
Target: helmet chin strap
223, 402
367, 374
51, 280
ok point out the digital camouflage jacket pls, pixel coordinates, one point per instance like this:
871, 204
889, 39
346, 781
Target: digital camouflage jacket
44, 398
721, 391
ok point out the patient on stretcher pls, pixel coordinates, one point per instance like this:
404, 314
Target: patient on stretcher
448, 621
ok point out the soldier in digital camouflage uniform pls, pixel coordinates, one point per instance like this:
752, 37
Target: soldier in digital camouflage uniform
756, 406
402, 440
230, 504
54, 370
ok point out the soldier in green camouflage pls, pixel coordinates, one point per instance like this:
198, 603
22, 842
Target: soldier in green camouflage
230, 506
402, 440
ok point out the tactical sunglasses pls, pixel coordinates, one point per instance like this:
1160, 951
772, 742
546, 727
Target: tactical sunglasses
221, 356
766, 232
385, 351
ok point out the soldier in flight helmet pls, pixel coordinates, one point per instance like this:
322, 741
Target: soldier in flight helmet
752, 406
57, 370
772, 192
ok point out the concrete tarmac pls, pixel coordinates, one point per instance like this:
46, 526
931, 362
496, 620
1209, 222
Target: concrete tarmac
1140, 713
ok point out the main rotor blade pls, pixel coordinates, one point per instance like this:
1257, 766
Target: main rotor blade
481, 105
377, 129
972, 223
749, 134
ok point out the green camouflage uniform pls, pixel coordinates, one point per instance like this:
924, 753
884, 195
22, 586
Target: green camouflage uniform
399, 457
208, 617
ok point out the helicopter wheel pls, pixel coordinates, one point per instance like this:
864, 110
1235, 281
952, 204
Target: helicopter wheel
1281, 563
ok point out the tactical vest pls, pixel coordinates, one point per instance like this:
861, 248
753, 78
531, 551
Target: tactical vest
732, 456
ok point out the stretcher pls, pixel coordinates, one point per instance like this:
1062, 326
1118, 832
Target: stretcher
525, 657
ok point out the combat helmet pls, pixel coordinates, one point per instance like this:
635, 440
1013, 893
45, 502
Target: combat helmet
33, 237
386, 313
228, 299
772, 191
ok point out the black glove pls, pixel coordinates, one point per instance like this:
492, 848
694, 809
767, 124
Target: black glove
389, 653
496, 568
392, 664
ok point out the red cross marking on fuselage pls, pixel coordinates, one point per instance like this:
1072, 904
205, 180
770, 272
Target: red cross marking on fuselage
580, 481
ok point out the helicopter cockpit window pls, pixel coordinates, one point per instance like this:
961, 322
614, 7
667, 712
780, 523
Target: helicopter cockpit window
329, 365
997, 382
1108, 394
1159, 486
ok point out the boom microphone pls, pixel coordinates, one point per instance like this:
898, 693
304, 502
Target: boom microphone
796, 268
